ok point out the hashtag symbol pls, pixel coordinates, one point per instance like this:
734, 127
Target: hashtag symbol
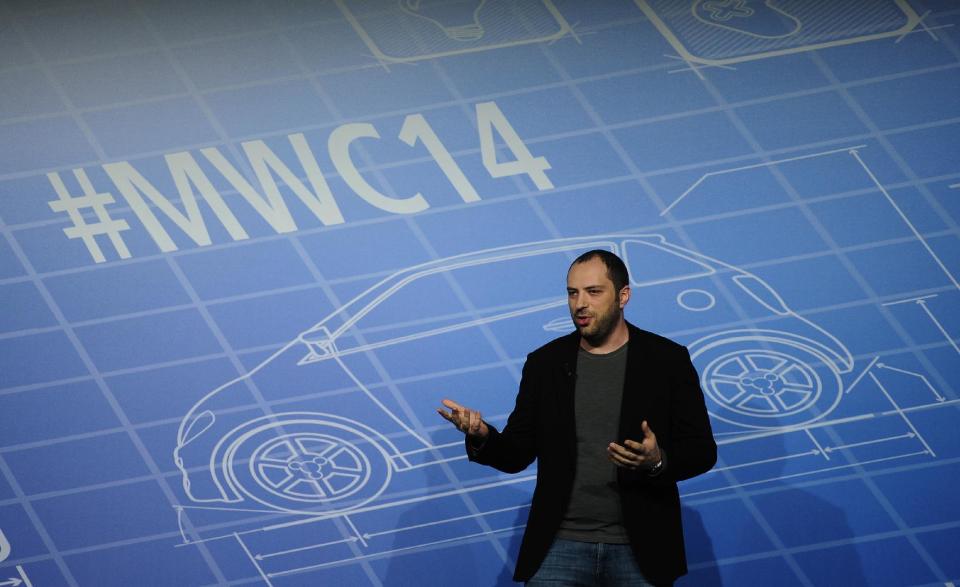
89, 231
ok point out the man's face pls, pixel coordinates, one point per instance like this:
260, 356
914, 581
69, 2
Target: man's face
595, 305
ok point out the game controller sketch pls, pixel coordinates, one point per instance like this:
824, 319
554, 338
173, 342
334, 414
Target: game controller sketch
726, 32
757, 19
762, 366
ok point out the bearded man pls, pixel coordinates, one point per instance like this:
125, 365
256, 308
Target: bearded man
614, 416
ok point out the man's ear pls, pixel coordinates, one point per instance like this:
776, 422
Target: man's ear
624, 296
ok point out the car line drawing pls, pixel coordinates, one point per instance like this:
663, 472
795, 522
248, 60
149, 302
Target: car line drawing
762, 367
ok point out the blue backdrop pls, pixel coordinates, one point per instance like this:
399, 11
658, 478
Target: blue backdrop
247, 246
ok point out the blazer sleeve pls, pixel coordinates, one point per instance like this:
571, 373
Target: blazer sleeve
515, 447
689, 449
693, 450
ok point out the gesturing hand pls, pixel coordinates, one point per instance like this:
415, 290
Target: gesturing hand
466, 420
636, 455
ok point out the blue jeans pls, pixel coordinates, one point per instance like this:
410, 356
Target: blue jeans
589, 564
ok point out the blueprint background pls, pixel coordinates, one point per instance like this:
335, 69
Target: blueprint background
100, 362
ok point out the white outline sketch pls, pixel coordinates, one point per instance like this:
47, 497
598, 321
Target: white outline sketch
913, 20
816, 446
740, 12
471, 32
711, 300
854, 152
784, 378
466, 31
23, 579
921, 301
4, 546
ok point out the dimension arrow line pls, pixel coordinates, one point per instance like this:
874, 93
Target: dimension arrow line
803, 474
225, 509
432, 447
816, 443
902, 415
939, 326
867, 442
23, 575
809, 453
369, 535
407, 501
261, 557
916, 233
753, 166
908, 300
391, 552
791, 429
256, 564
919, 376
437, 462
898, 370
918, 408
860, 376
835, 422
356, 532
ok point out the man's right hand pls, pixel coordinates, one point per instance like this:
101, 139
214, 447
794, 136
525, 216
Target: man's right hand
466, 420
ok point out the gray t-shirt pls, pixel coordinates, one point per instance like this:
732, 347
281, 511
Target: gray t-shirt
594, 511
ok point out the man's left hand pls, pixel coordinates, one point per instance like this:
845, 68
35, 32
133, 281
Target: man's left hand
636, 455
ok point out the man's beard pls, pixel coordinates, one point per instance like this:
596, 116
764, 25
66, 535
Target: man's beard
602, 326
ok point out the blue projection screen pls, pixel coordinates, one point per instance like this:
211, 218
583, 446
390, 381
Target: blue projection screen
249, 245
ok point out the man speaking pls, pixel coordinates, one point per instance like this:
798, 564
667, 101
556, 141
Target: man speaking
615, 417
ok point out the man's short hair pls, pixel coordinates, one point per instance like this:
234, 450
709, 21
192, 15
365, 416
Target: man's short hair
616, 269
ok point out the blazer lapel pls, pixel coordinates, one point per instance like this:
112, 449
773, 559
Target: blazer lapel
567, 376
633, 405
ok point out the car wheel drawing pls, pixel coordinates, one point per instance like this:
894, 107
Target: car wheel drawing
766, 382
316, 465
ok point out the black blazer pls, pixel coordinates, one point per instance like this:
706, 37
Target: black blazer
662, 387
